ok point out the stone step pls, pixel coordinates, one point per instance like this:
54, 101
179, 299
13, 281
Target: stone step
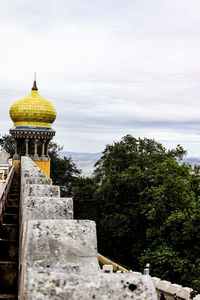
9, 231
8, 250
16, 197
13, 209
8, 296
14, 191
13, 203
13, 199
13, 196
9, 235
8, 277
10, 218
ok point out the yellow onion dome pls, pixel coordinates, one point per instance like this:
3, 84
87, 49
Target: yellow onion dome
33, 111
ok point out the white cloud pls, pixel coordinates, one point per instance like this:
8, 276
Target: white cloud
109, 67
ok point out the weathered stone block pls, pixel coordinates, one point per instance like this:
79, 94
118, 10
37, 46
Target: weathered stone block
184, 293
36, 180
174, 289
108, 269
41, 190
156, 281
41, 208
52, 285
30, 169
33, 173
62, 245
164, 285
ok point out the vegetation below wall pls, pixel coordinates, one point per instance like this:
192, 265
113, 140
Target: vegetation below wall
146, 206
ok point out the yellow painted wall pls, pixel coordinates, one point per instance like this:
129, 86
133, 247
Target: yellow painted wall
44, 167
16, 164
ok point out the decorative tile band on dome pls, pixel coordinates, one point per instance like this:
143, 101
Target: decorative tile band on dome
30, 133
31, 127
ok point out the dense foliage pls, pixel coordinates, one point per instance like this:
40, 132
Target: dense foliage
153, 201
148, 209
7, 142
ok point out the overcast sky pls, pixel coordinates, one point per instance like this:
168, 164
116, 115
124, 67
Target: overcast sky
110, 67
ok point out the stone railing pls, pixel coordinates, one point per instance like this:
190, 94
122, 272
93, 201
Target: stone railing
169, 289
4, 192
58, 255
4, 171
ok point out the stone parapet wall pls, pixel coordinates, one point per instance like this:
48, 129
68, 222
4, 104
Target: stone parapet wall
4, 167
169, 289
39, 200
58, 255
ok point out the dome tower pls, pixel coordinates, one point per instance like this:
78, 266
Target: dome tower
32, 117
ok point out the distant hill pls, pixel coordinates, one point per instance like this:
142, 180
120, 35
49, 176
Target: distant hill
192, 160
86, 161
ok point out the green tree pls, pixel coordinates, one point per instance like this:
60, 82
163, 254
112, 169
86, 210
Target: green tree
172, 208
148, 208
83, 198
7, 142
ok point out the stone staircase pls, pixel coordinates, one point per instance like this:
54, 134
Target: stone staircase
9, 239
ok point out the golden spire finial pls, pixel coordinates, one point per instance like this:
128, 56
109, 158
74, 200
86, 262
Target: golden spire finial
34, 88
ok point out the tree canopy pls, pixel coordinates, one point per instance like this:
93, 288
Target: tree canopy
148, 209
7, 142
